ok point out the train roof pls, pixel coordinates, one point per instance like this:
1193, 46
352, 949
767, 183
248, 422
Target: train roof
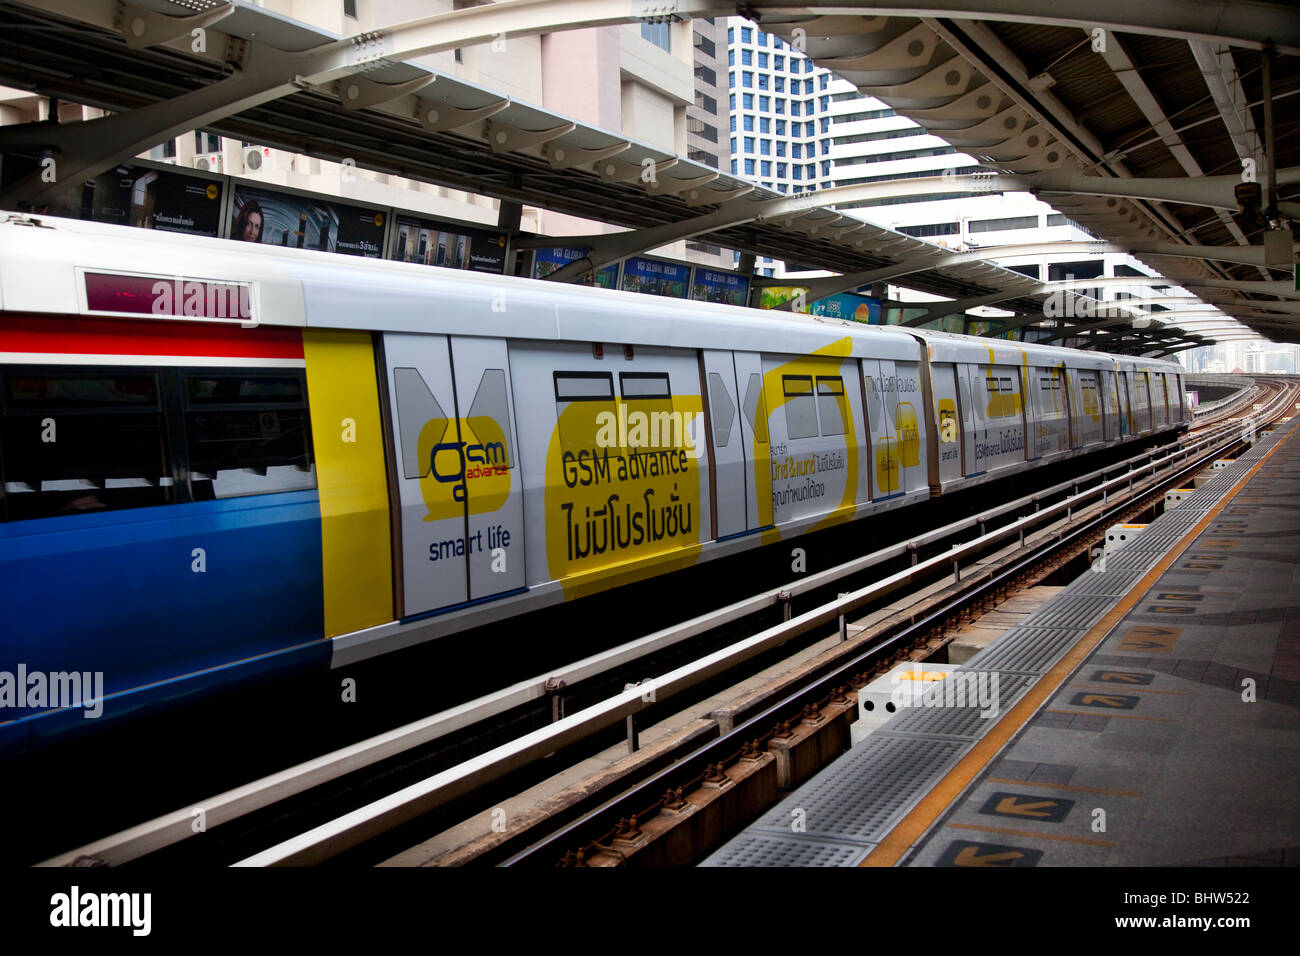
43, 261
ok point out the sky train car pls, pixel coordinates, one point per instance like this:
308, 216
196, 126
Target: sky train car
216, 460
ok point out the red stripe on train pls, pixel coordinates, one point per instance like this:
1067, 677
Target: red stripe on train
64, 335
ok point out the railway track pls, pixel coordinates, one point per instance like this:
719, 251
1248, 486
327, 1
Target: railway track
364, 800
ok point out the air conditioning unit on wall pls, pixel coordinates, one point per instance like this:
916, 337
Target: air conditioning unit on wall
208, 163
257, 159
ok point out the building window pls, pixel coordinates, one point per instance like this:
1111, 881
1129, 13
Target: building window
746, 57
659, 34
748, 100
931, 229
733, 97
205, 142
780, 167
747, 79
776, 43
780, 105
993, 225
825, 80
826, 124
778, 63
733, 164
796, 151
733, 122
733, 142
762, 61
731, 80
780, 127
762, 81
778, 84
765, 104
826, 167
749, 144
746, 35
766, 167
764, 125
749, 167
731, 58
166, 150
798, 174
780, 146
350, 8
749, 123
765, 147
794, 107
731, 34
808, 85
762, 38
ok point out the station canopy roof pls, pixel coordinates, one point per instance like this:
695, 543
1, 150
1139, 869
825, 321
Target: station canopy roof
1166, 101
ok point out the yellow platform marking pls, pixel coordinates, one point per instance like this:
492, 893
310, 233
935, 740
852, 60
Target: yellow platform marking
911, 828
1065, 786
1150, 638
1009, 831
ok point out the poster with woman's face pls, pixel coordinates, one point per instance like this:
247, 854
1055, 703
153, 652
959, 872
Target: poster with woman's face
296, 222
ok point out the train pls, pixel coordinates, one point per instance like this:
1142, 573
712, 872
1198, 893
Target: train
217, 459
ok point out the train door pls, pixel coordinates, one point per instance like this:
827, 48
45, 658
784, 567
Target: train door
431, 514
1109, 406
1089, 413
754, 434
909, 425
731, 472
1159, 400
460, 526
947, 418
494, 499
886, 478
1142, 403
814, 433
974, 421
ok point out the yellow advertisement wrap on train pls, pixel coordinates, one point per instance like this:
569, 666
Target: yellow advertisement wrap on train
815, 472
473, 468
623, 491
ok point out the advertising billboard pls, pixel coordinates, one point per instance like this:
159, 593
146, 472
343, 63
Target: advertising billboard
714, 285
302, 222
450, 246
130, 195
546, 261
656, 277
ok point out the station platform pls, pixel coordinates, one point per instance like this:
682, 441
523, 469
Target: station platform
1147, 715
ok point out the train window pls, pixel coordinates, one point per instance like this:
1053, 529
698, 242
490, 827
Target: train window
584, 401
248, 433
721, 410
489, 418
756, 408
75, 440
584, 387
830, 399
800, 407
416, 409
644, 385
875, 416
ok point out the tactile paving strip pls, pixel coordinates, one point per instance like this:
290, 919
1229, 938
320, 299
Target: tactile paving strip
1111, 581
859, 797
758, 848
1067, 609
1027, 650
